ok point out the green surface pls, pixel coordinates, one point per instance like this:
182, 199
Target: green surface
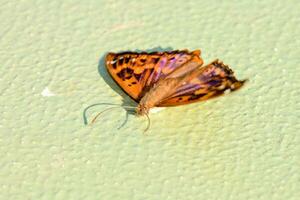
241, 146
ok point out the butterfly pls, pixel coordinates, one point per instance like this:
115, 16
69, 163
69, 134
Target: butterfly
172, 78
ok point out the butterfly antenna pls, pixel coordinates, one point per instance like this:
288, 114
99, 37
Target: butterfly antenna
148, 125
128, 107
95, 118
85, 121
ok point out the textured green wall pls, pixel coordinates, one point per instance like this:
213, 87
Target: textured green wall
240, 146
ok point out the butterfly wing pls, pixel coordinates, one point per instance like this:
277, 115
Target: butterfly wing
203, 83
135, 73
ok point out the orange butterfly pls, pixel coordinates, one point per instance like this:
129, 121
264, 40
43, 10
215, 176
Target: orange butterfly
161, 79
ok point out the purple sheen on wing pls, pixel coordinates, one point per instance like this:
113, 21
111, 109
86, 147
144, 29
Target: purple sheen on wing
156, 75
172, 63
186, 89
214, 82
162, 62
165, 67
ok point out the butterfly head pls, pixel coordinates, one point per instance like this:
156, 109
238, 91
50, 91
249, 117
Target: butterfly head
142, 110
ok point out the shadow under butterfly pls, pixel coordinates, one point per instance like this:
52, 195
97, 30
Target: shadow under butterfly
164, 78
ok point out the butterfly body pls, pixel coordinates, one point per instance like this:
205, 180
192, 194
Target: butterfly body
162, 79
156, 94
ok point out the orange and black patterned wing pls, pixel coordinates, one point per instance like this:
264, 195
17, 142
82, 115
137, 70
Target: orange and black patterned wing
136, 73
203, 83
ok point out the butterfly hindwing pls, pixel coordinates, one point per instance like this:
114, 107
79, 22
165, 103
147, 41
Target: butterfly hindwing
203, 83
135, 73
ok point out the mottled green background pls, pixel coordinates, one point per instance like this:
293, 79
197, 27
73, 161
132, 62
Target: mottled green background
241, 146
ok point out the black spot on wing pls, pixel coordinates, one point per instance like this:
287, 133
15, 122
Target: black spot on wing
179, 99
120, 61
155, 60
142, 61
137, 76
196, 96
125, 73
126, 60
114, 65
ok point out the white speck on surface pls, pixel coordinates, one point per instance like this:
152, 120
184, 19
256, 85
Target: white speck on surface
156, 109
47, 93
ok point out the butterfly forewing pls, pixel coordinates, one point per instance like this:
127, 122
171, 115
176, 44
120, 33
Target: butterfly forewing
203, 83
136, 73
